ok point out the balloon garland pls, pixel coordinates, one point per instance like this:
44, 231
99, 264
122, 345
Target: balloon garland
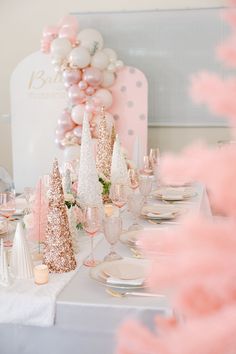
88, 70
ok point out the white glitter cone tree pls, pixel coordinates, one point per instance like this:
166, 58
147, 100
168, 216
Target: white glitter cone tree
4, 273
21, 260
89, 187
73, 230
58, 252
119, 172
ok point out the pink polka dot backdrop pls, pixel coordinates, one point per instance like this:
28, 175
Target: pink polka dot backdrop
130, 107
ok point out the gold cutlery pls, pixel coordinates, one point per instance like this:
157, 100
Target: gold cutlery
119, 294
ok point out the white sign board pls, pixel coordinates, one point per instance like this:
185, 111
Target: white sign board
37, 100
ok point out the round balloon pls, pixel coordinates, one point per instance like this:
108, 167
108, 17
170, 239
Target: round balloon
108, 78
60, 47
119, 64
105, 97
77, 113
111, 54
69, 33
91, 39
50, 31
69, 21
71, 77
64, 122
76, 95
100, 60
79, 57
83, 85
92, 76
77, 131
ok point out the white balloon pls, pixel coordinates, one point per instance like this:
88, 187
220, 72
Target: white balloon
119, 64
56, 60
111, 67
111, 54
79, 58
91, 39
60, 47
105, 97
100, 60
108, 78
77, 114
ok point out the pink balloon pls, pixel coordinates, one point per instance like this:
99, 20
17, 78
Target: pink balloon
65, 122
58, 143
71, 77
45, 46
83, 85
77, 113
69, 21
50, 32
96, 101
89, 107
60, 133
77, 131
69, 33
92, 76
76, 95
90, 91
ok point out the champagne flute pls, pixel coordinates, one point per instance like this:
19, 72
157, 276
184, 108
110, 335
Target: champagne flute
118, 194
7, 206
135, 204
133, 177
154, 157
145, 186
112, 227
28, 192
147, 168
91, 225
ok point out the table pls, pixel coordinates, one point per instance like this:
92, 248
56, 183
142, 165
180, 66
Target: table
86, 316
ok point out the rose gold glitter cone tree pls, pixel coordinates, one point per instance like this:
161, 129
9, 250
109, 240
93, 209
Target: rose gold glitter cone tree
58, 252
104, 149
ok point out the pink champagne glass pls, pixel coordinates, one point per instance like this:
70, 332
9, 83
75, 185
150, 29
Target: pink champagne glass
135, 204
145, 186
118, 194
134, 179
112, 227
147, 167
154, 157
91, 225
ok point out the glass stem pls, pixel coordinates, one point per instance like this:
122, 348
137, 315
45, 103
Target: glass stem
92, 254
112, 249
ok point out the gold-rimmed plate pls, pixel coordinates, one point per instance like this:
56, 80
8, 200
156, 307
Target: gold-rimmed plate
130, 268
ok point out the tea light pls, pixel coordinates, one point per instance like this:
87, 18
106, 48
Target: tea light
108, 209
41, 274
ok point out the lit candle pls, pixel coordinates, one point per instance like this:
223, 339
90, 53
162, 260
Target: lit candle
41, 274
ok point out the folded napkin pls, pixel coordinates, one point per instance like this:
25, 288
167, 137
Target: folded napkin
117, 281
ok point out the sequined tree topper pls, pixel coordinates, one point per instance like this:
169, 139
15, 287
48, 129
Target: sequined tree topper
58, 253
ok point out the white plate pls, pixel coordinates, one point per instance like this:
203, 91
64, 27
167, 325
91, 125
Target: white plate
174, 193
160, 212
100, 273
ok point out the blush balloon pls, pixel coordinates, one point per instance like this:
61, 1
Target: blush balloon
90, 91
89, 107
83, 85
77, 113
69, 33
50, 32
93, 76
105, 96
71, 77
76, 95
69, 21
77, 132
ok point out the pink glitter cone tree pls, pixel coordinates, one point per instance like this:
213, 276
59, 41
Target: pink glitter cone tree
58, 252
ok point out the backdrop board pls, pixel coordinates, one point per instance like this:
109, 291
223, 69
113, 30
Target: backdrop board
168, 46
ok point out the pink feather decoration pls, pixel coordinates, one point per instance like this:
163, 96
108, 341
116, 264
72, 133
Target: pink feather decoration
213, 167
40, 208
